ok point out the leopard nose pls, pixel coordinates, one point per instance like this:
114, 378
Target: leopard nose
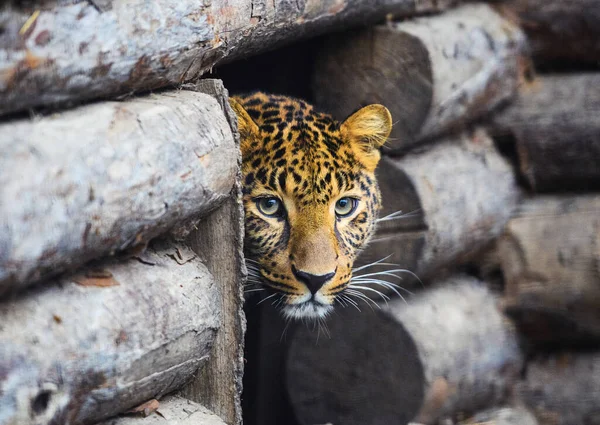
313, 282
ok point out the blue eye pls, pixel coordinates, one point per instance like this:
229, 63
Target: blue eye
269, 206
345, 206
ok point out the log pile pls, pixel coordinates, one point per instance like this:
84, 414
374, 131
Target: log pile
492, 171
121, 263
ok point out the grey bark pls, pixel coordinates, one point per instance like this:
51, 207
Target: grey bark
454, 199
549, 255
92, 345
218, 240
502, 416
448, 350
433, 73
558, 30
563, 389
107, 177
555, 124
73, 51
171, 411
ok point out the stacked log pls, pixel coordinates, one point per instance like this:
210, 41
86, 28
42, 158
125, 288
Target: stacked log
443, 205
558, 31
434, 74
84, 347
448, 350
144, 179
68, 52
107, 177
554, 126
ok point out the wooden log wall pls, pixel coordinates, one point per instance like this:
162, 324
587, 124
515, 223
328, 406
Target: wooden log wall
512, 200
86, 336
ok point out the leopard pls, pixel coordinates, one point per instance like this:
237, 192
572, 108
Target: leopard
310, 196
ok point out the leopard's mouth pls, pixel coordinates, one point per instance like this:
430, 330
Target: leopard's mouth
310, 309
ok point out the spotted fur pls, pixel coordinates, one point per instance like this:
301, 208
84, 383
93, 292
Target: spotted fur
311, 164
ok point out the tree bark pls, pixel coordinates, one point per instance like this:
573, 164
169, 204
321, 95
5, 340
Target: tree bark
107, 177
502, 416
455, 199
563, 389
558, 30
60, 52
171, 411
95, 344
550, 257
555, 124
433, 73
449, 350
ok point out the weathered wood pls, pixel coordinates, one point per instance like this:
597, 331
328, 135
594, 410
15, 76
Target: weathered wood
433, 73
555, 123
218, 240
449, 350
72, 51
455, 197
549, 255
100, 342
563, 389
171, 411
107, 177
558, 30
502, 416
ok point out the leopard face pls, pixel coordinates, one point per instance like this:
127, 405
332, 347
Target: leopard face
310, 196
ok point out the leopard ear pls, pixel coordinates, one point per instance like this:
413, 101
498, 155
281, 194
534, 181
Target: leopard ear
368, 129
246, 126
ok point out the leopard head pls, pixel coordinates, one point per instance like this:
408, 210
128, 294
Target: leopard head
310, 196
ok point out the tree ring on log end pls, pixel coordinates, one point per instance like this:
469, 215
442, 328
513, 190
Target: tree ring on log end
329, 380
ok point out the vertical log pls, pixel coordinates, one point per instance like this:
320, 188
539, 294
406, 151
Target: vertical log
218, 240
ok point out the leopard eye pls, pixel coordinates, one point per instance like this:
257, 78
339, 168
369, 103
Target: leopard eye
345, 206
269, 206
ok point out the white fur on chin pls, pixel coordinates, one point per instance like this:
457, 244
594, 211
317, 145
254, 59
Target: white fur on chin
306, 310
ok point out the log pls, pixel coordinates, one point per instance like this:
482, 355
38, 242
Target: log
171, 410
502, 416
433, 73
64, 52
449, 350
455, 199
563, 389
555, 126
549, 255
107, 339
107, 177
558, 31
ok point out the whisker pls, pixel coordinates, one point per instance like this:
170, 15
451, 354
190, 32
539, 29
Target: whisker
374, 263
266, 298
362, 297
366, 288
398, 215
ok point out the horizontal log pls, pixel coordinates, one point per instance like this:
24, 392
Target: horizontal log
549, 256
449, 350
107, 339
454, 199
563, 389
433, 73
107, 177
64, 52
558, 30
555, 125
502, 416
171, 411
